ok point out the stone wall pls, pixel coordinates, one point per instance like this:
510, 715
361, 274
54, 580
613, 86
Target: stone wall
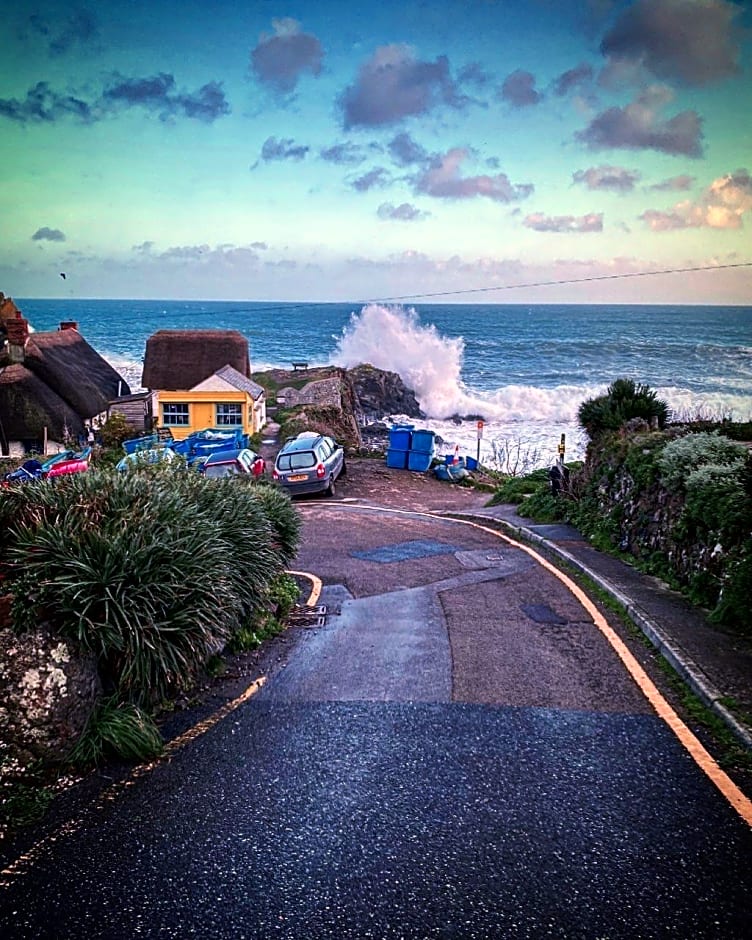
322, 393
47, 693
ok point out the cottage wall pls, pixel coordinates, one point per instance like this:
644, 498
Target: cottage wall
202, 410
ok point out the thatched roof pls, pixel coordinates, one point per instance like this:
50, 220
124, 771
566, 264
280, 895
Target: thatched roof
75, 370
179, 359
62, 383
28, 405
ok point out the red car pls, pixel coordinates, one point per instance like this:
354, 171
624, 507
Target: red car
77, 463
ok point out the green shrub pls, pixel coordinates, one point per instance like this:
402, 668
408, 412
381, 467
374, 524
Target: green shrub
284, 520
680, 457
623, 401
153, 572
115, 430
732, 608
117, 730
517, 489
717, 501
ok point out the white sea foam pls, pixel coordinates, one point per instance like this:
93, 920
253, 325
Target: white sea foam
523, 419
130, 369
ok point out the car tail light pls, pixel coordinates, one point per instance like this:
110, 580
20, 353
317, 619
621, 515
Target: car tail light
320, 471
275, 474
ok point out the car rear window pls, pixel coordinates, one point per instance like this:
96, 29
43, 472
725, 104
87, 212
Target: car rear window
297, 460
217, 470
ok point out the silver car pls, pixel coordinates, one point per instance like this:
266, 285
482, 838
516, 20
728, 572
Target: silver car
310, 463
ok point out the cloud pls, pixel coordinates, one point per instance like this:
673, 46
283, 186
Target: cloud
46, 234
345, 153
374, 179
518, 89
442, 179
690, 41
639, 127
284, 149
593, 222
80, 27
406, 152
393, 85
611, 178
721, 206
674, 184
573, 78
42, 104
281, 59
474, 73
159, 93
402, 213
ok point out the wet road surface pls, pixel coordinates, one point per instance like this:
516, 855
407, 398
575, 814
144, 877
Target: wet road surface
457, 753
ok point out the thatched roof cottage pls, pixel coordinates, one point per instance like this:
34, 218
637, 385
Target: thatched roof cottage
202, 378
180, 359
52, 384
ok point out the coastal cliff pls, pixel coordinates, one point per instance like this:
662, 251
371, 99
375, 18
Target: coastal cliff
336, 401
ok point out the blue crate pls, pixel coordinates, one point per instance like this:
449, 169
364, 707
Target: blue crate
424, 441
400, 436
419, 461
396, 459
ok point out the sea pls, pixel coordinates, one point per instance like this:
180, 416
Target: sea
498, 382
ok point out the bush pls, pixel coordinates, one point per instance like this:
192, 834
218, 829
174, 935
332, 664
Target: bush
152, 571
117, 730
623, 401
115, 430
732, 608
680, 457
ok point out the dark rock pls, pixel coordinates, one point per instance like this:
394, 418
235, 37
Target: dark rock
382, 393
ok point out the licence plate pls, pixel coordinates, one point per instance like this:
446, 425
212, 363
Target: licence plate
297, 478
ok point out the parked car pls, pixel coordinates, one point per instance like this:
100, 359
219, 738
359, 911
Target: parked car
310, 463
223, 463
66, 461
139, 458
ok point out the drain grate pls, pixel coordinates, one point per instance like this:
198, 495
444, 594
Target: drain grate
308, 616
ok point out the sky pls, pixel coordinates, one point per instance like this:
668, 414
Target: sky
352, 151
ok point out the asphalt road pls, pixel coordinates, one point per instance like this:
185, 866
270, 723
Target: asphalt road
457, 752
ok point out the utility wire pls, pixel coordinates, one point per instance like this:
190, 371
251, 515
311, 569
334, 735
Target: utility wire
579, 280
298, 305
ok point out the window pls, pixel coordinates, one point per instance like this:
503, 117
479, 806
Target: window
175, 415
230, 416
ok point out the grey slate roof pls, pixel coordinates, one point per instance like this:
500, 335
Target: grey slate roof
240, 382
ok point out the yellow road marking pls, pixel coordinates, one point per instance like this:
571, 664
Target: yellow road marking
109, 795
25, 861
709, 766
315, 586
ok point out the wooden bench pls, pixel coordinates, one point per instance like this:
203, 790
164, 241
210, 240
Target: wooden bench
301, 364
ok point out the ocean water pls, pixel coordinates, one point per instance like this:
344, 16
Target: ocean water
524, 369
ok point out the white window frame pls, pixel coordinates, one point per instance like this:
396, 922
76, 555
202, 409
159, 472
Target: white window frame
175, 418
234, 410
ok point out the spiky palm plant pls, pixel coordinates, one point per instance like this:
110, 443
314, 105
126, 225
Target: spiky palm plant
624, 399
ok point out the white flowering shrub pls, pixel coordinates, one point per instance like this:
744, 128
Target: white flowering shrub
685, 455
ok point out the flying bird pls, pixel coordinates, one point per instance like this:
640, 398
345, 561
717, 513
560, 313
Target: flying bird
62, 275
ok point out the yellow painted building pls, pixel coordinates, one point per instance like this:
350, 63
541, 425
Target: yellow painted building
226, 400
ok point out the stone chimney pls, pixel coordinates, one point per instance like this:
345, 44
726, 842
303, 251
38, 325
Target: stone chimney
17, 333
69, 325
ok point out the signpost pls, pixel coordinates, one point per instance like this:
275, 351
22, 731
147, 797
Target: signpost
562, 448
480, 437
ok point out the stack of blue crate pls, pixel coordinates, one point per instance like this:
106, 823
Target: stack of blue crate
422, 449
400, 440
